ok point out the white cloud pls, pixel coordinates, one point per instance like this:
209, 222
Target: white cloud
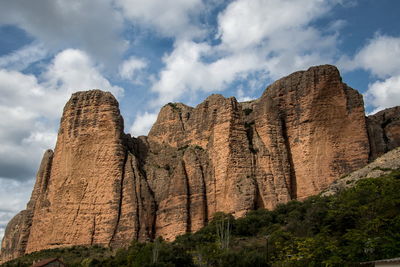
379, 56
169, 17
72, 70
280, 31
93, 26
130, 69
257, 37
241, 97
384, 94
22, 58
185, 72
143, 123
246, 23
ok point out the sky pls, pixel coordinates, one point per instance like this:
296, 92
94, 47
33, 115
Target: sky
149, 53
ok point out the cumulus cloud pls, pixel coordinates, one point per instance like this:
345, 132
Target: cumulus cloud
93, 26
185, 72
384, 94
143, 123
73, 70
30, 108
131, 69
256, 37
170, 18
280, 31
379, 56
246, 23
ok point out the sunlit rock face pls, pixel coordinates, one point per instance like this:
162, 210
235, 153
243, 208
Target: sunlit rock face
101, 186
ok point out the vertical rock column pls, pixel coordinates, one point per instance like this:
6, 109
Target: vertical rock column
82, 204
324, 125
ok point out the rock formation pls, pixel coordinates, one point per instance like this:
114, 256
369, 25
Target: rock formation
104, 187
384, 131
383, 165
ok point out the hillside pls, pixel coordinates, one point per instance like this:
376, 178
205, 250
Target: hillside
381, 166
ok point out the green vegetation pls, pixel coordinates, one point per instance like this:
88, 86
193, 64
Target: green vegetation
359, 224
382, 169
74, 256
247, 111
198, 147
249, 124
183, 147
174, 106
249, 133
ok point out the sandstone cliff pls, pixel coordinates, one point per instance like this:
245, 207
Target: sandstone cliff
384, 131
104, 187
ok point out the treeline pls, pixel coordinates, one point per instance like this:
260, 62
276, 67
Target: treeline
357, 225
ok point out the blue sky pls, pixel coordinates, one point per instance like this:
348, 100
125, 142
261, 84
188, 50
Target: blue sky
149, 53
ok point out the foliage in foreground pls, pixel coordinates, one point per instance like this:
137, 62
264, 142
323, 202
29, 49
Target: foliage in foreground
357, 225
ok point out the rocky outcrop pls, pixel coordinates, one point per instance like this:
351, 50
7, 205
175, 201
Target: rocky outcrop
104, 187
91, 191
198, 163
384, 131
383, 165
323, 126
84, 187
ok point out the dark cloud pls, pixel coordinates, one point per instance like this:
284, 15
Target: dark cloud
89, 25
16, 170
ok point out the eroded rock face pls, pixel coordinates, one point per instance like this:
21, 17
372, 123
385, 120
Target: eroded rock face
323, 126
198, 163
81, 203
91, 191
306, 130
104, 187
384, 131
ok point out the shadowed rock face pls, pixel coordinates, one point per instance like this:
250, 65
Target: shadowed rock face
104, 187
81, 203
384, 131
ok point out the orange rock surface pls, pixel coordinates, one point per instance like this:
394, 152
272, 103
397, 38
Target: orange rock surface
103, 187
